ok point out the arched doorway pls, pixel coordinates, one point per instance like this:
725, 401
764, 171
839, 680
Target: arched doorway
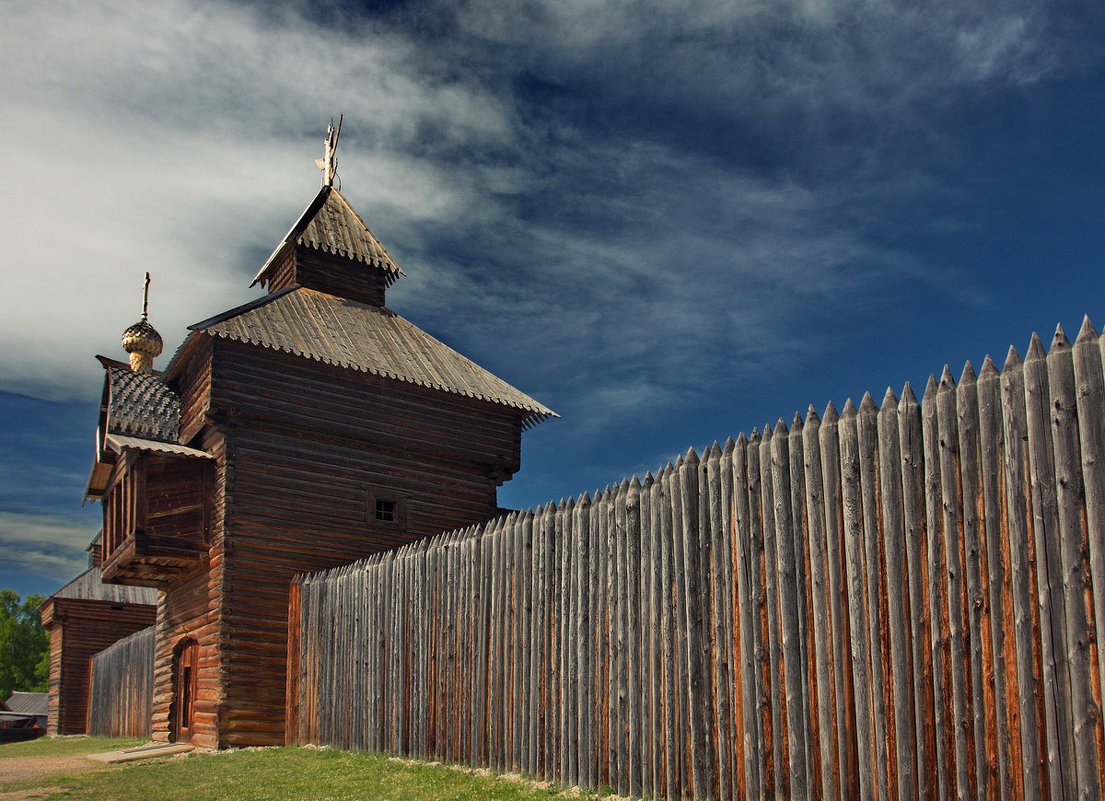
184, 689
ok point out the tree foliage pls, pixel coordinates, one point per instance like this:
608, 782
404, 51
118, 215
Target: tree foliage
24, 645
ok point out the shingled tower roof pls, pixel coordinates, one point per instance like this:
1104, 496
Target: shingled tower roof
326, 283
338, 237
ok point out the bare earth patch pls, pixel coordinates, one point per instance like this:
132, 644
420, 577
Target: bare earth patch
38, 769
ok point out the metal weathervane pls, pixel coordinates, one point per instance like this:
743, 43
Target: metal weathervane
329, 162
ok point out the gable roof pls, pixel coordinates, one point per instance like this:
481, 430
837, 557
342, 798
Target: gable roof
330, 225
88, 587
371, 339
29, 703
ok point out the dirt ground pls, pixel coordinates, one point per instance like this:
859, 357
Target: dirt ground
40, 769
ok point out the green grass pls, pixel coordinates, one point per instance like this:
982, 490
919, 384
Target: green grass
285, 773
64, 746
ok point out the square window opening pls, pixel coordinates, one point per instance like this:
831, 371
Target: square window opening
385, 511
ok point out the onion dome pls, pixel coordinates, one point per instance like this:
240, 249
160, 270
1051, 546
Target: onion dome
141, 340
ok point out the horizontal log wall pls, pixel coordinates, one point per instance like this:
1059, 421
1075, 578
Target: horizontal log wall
120, 695
191, 608
311, 448
888, 603
79, 629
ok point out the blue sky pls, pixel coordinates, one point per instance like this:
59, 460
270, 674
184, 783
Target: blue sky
669, 221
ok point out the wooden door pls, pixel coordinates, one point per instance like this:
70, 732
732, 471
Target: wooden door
184, 690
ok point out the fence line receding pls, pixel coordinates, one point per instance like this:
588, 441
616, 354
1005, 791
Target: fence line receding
898, 601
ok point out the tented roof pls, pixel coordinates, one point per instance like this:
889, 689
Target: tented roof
330, 225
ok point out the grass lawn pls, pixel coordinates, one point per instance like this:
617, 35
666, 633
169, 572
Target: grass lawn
270, 773
63, 746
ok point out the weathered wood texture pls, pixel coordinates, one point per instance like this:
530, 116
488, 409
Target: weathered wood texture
78, 630
120, 689
190, 610
305, 266
312, 467
311, 449
897, 603
156, 518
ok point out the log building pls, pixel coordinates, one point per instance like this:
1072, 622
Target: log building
84, 617
301, 431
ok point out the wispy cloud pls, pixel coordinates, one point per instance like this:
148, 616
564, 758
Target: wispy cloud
587, 192
727, 205
170, 137
44, 544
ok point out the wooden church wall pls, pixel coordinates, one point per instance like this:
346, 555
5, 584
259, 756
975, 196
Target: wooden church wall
347, 279
194, 387
308, 398
190, 610
343, 277
303, 437
55, 686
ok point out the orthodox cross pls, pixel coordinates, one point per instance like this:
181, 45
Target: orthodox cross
146, 298
329, 162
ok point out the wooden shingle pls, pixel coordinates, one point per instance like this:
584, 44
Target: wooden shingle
367, 338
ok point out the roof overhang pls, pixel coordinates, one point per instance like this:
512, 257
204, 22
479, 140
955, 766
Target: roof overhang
118, 443
98, 479
364, 338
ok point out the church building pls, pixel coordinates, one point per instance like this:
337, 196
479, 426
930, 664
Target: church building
299, 432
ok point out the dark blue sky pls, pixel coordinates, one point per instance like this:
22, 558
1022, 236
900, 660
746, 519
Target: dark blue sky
668, 223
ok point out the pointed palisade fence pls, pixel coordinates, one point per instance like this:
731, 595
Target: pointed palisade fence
120, 688
901, 601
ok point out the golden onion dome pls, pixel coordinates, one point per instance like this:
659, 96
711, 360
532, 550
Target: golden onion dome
142, 338
143, 343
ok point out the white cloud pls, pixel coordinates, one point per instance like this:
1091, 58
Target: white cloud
177, 137
843, 53
170, 137
44, 544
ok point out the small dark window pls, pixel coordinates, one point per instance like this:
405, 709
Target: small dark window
385, 511
186, 693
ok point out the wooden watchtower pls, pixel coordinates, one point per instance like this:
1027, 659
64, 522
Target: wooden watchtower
301, 431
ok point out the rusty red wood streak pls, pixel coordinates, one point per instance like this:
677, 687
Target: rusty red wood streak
926, 513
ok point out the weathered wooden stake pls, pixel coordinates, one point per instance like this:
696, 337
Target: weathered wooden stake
1049, 593
1073, 552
